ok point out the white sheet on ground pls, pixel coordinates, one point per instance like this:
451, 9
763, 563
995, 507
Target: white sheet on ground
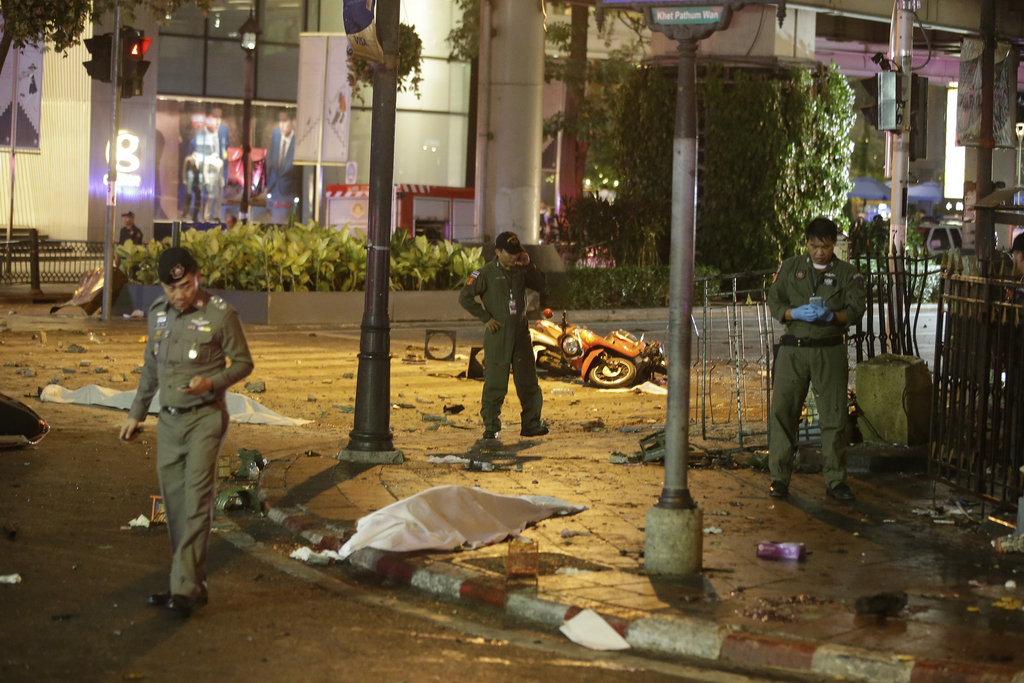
589, 629
446, 517
645, 388
241, 408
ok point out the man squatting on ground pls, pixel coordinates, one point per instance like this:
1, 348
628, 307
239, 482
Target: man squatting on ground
817, 297
191, 335
501, 286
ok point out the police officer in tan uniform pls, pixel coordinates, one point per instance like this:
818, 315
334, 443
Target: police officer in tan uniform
192, 334
501, 286
817, 297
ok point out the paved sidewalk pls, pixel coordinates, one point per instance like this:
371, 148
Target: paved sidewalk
742, 610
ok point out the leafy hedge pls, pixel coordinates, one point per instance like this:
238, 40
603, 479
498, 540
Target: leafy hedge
304, 258
621, 287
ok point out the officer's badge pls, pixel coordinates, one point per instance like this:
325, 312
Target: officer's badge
801, 274
829, 281
177, 272
472, 277
161, 321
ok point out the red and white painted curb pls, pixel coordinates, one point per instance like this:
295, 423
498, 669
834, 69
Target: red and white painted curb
680, 636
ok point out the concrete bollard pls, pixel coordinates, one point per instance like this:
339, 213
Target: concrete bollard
673, 541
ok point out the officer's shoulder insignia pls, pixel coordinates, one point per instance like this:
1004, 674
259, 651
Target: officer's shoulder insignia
219, 303
859, 279
472, 277
800, 274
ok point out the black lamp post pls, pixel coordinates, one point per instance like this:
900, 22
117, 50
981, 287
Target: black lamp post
249, 32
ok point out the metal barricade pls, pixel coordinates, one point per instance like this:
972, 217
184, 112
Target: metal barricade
59, 261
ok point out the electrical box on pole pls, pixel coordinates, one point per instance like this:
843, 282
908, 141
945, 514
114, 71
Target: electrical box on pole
886, 89
133, 61
918, 117
98, 67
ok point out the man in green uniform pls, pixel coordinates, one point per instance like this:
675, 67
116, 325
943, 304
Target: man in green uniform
501, 286
191, 336
817, 297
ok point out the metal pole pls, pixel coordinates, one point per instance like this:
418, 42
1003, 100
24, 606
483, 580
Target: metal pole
14, 133
371, 430
675, 495
115, 112
483, 121
243, 211
901, 51
33, 262
984, 240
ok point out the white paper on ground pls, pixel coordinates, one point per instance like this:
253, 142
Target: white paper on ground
10, 578
141, 520
241, 408
590, 630
448, 460
645, 388
310, 556
446, 517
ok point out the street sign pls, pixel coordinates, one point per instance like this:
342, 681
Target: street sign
667, 16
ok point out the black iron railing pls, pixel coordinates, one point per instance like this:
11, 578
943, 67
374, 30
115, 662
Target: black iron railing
58, 261
977, 427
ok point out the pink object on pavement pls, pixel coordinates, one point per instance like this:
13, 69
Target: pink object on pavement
780, 551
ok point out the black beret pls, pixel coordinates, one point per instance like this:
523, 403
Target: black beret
1018, 243
175, 263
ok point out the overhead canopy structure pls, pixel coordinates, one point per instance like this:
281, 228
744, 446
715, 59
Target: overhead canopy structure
872, 189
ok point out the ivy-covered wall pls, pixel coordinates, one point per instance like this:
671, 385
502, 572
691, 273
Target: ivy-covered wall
775, 154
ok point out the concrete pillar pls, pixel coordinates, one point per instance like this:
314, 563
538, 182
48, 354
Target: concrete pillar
516, 120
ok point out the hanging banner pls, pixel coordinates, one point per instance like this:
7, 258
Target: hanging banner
323, 99
968, 101
30, 97
362, 29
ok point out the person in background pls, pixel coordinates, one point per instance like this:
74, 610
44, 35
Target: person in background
130, 232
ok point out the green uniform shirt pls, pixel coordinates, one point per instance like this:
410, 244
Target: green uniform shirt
500, 292
180, 346
839, 284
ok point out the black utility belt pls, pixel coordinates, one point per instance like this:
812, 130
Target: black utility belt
809, 342
174, 410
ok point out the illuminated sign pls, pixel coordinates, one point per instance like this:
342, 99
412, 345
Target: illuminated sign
127, 160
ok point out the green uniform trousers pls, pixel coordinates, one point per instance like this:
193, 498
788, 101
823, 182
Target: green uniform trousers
827, 370
186, 462
524, 373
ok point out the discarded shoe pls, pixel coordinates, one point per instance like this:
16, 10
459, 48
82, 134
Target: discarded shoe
840, 491
183, 605
887, 604
164, 599
778, 489
534, 431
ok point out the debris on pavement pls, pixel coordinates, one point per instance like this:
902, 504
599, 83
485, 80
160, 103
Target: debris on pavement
75, 348
453, 410
882, 604
238, 498
1008, 603
256, 387
569, 533
562, 391
448, 460
589, 629
480, 466
1009, 544
714, 530
767, 550
11, 530
10, 578
140, 521
620, 458
447, 517
310, 556
571, 571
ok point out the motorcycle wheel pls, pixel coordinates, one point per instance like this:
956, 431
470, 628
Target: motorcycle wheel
612, 372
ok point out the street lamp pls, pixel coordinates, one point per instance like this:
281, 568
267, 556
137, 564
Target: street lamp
249, 31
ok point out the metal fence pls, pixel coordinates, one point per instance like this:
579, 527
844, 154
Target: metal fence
895, 289
60, 261
734, 343
977, 432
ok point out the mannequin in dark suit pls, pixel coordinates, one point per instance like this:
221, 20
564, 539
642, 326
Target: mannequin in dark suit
282, 184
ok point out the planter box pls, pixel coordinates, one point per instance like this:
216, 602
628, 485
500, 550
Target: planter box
306, 308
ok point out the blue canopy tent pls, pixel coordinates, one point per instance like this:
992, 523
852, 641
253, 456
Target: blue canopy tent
870, 189
930, 192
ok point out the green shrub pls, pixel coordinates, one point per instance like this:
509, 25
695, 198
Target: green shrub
303, 258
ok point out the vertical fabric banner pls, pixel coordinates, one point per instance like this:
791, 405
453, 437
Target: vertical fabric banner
324, 99
309, 113
362, 29
30, 97
968, 101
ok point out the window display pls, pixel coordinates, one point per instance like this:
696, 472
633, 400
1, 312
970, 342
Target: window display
199, 172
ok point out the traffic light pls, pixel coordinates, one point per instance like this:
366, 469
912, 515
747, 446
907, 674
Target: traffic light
886, 89
99, 47
918, 117
133, 63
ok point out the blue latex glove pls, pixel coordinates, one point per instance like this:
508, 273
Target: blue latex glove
807, 313
824, 314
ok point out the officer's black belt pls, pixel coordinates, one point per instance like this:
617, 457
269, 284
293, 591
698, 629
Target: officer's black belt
174, 410
790, 340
